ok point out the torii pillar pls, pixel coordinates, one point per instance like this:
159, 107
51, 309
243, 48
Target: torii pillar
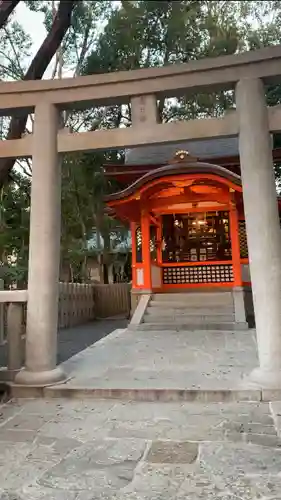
263, 227
44, 253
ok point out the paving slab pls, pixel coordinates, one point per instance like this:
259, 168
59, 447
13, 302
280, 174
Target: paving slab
106, 450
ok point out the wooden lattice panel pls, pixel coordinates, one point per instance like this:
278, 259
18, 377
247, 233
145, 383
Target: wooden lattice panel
138, 237
152, 242
243, 240
221, 273
138, 245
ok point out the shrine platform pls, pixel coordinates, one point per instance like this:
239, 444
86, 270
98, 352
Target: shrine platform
161, 365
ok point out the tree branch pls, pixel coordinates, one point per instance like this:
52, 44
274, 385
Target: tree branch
23, 168
6, 8
83, 51
36, 71
52, 41
80, 59
16, 55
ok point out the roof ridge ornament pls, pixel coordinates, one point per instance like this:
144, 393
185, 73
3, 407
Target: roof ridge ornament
182, 156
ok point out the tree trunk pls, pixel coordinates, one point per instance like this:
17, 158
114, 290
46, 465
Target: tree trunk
36, 71
6, 8
106, 255
105, 274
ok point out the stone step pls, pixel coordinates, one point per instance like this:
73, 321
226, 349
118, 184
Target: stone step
166, 309
221, 394
196, 290
193, 293
219, 298
190, 326
183, 317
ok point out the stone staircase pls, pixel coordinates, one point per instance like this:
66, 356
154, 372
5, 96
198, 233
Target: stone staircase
208, 310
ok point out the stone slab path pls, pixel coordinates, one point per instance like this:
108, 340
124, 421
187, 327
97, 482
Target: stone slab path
136, 362
106, 450
76, 339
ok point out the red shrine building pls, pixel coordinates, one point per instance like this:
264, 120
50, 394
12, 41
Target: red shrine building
184, 205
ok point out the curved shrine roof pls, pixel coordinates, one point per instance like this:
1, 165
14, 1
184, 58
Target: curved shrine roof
180, 168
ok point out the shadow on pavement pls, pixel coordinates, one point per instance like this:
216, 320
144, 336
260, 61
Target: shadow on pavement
73, 340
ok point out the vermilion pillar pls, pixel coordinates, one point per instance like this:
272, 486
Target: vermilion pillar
145, 231
238, 291
235, 246
159, 240
134, 254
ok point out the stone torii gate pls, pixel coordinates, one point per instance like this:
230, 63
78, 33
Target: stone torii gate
253, 122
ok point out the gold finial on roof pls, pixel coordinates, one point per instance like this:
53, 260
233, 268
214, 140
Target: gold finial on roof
183, 156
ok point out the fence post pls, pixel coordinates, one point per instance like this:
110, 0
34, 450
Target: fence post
2, 315
14, 330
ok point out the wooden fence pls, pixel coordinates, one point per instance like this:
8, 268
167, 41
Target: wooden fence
112, 300
76, 304
81, 303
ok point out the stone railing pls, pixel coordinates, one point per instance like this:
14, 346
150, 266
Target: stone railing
13, 308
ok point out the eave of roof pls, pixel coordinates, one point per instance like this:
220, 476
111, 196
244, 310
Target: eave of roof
175, 169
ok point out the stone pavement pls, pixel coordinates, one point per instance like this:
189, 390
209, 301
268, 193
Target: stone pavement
129, 364
105, 450
75, 339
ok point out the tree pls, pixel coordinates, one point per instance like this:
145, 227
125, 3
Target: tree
80, 39
83, 189
15, 46
144, 34
14, 230
148, 33
6, 8
36, 71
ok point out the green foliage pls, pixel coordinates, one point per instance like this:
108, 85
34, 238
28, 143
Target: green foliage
87, 18
37, 5
14, 230
147, 33
15, 47
83, 188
